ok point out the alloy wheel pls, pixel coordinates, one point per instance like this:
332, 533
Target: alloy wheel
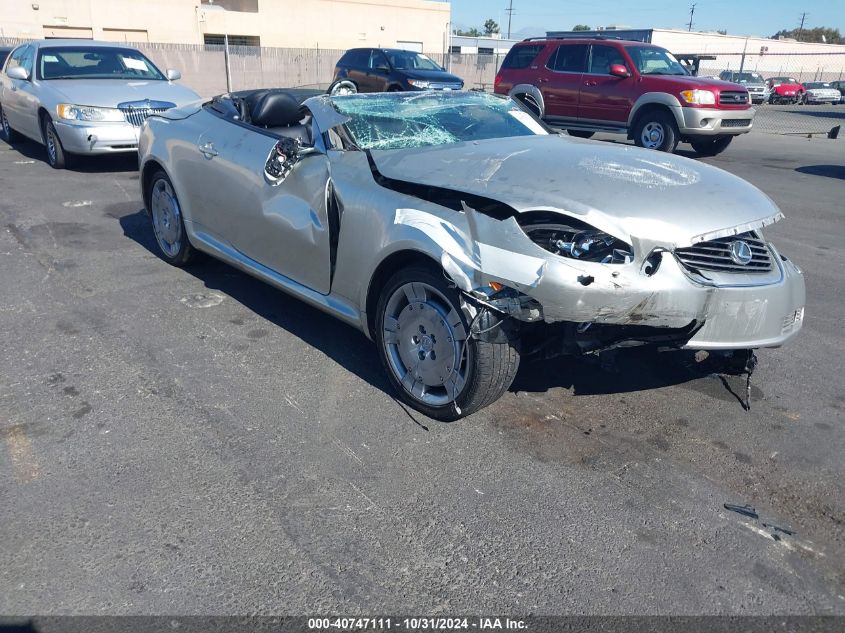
424, 341
167, 218
652, 135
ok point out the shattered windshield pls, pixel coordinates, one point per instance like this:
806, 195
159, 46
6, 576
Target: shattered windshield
396, 120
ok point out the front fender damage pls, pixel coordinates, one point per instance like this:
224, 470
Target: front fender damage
477, 250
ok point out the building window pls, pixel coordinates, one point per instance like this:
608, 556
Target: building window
456, 50
234, 40
485, 51
245, 6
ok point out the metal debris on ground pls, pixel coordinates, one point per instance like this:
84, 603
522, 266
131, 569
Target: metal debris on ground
745, 510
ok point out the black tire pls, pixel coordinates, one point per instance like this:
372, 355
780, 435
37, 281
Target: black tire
168, 226
711, 146
653, 122
580, 133
343, 86
395, 88
485, 369
6, 132
57, 157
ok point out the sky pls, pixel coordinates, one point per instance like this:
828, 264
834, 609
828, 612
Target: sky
738, 17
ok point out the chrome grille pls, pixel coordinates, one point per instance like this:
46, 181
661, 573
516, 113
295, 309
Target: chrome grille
733, 97
736, 122
136, 112
715, 255
444, 86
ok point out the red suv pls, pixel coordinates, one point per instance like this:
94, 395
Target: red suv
632, 88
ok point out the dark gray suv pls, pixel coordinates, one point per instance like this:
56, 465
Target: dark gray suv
389, 70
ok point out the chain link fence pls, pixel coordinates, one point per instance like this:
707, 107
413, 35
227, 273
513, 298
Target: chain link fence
209, 70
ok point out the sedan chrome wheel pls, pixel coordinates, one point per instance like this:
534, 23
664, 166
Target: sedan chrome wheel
7, 130
652, 135
424, 341
52, 150
167, 218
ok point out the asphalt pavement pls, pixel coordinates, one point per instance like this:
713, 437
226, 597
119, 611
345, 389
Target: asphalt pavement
195, 442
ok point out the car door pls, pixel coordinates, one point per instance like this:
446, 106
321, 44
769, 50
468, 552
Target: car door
378, 71
18, 93
560, 80
358, 61
283, 227
606, 98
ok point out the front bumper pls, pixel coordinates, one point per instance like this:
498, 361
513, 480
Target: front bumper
733, 317
715, 122
102, 138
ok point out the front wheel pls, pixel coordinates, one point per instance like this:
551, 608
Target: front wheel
711, 146
657, 130
168, 226
432, 361
9, 135
57, 157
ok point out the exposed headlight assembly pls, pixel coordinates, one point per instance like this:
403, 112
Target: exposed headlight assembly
73, 112
579, 242
419, 83
698, 97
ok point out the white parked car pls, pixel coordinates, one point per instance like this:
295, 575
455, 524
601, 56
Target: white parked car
821, 92
83, 97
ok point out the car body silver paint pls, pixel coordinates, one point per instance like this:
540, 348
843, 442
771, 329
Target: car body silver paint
654, 202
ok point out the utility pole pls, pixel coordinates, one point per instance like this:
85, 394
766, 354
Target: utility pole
801, 27
691, 13
509, 11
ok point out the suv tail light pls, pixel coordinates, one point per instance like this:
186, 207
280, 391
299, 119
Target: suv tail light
497, 81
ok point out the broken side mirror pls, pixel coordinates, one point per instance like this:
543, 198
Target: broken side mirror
619, 70
284, 155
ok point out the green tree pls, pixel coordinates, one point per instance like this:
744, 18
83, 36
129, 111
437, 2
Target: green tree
490, 27
817, 34
581, 27
722, 31
473, 32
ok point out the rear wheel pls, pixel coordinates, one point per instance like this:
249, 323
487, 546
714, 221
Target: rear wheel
9, 135
531, 103
57, 157
343, 87
431, 359
711, 146
168, 225
580, 133
656, 129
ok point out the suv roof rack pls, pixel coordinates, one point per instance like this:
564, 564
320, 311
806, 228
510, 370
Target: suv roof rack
573, 37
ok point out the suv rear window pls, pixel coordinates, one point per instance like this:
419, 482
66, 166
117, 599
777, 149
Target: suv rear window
570, 58
359, 58
522, 56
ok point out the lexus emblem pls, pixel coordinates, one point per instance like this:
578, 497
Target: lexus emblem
740, 252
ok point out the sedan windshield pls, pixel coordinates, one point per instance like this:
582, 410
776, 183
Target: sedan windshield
408, 60
745, 78
817, 85
394, 121
88, 62
650, 60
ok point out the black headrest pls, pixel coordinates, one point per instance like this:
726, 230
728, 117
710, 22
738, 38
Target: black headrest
275, 109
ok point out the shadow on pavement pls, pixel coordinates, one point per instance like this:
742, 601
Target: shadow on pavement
830, 171
106, 163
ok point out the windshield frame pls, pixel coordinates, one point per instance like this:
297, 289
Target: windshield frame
82, 48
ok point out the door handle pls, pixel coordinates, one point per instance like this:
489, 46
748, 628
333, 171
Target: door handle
590, 83
207, 150
541, 80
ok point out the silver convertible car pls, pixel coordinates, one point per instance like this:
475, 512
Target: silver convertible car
82, 97
460, 234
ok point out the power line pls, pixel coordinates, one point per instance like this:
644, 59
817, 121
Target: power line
691, 13
509, 11
801, 27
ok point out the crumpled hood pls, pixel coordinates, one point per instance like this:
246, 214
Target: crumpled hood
626, 191
107, 93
